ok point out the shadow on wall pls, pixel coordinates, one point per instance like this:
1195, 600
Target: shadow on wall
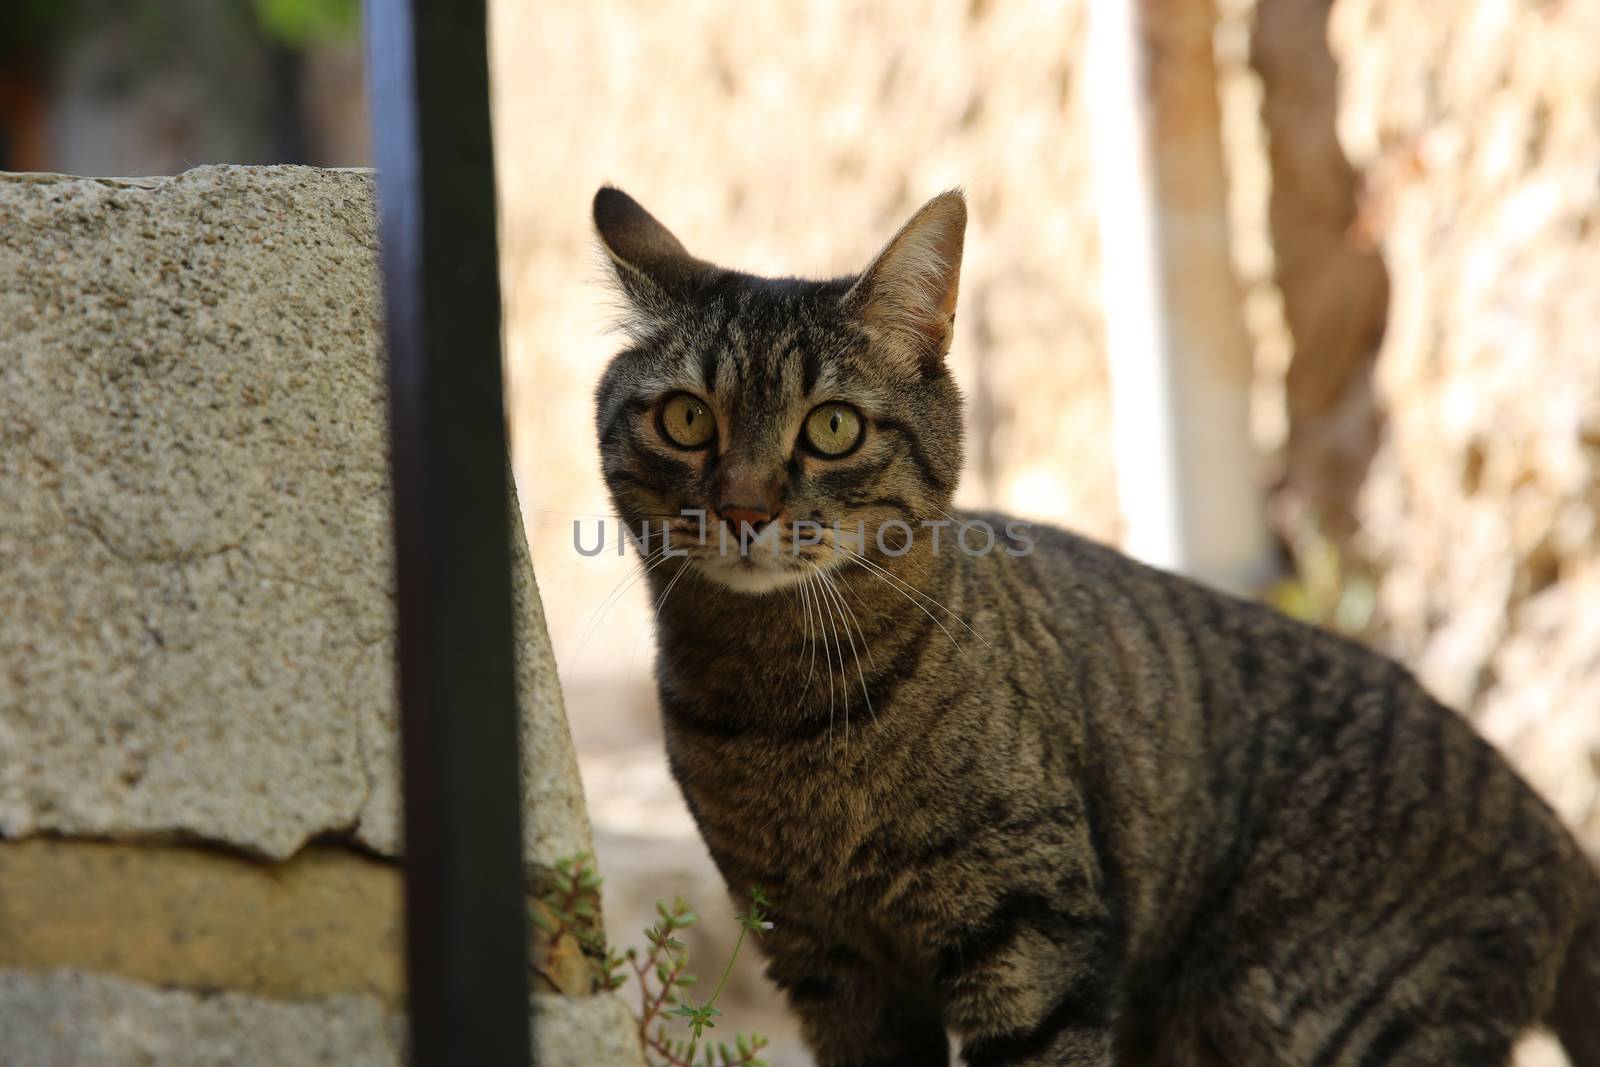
1330, 272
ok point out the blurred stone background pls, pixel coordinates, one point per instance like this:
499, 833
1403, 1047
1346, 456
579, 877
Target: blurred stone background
1413, 191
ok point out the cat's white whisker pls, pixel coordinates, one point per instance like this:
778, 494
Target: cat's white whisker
605, 550
844, 672
884, 577
656, 617
805, 589
891, 576
844, 695
654, 559
668, 591
827, 651
833, 590
845, 601
959, 522
811, 637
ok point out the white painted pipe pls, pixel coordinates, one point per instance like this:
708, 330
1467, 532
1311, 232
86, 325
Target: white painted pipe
1179, 357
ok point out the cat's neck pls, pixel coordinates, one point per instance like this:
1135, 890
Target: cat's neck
806, 649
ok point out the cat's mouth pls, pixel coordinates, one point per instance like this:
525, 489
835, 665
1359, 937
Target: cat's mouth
749, 576
781, 555
776, 560
757, 573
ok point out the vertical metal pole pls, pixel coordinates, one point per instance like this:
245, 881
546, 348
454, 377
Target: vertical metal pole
427, 64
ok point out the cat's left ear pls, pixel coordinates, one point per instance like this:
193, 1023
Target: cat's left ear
907, 297
652, 267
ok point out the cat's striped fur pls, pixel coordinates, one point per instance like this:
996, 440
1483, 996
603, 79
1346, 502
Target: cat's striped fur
1076, 810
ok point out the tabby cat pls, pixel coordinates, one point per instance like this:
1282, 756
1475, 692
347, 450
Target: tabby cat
1075, 810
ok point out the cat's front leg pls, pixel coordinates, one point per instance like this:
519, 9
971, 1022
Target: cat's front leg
1034, 986
852, 1013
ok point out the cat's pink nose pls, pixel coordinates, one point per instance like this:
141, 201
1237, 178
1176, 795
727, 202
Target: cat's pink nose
741, 518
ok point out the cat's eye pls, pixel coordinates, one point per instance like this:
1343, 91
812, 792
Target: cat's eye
833, 429
686, 421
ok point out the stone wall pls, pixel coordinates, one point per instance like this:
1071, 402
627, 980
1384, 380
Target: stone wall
199, 780
1477, 156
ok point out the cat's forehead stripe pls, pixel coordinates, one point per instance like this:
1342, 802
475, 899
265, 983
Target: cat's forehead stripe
810, 366
716, 340
749, 365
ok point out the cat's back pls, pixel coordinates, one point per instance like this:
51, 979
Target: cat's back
1255, 765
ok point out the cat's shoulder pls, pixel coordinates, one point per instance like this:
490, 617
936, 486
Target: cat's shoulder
1069, 561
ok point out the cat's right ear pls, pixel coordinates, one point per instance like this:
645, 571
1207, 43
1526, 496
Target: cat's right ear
907, 297
652, 267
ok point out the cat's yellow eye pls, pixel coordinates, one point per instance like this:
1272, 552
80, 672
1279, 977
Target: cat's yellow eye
686, 421
833, 429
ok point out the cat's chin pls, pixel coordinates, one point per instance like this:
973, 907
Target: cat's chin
752, 578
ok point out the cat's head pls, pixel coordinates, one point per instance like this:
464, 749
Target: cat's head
780, 409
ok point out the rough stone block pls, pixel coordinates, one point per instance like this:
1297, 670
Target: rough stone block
195, 547
196, 637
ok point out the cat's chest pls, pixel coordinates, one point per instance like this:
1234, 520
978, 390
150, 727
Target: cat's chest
809, 817
829, 846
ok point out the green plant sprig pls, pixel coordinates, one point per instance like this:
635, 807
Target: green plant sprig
662, 971
575, 904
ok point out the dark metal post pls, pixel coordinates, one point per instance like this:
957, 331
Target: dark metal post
427, 64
